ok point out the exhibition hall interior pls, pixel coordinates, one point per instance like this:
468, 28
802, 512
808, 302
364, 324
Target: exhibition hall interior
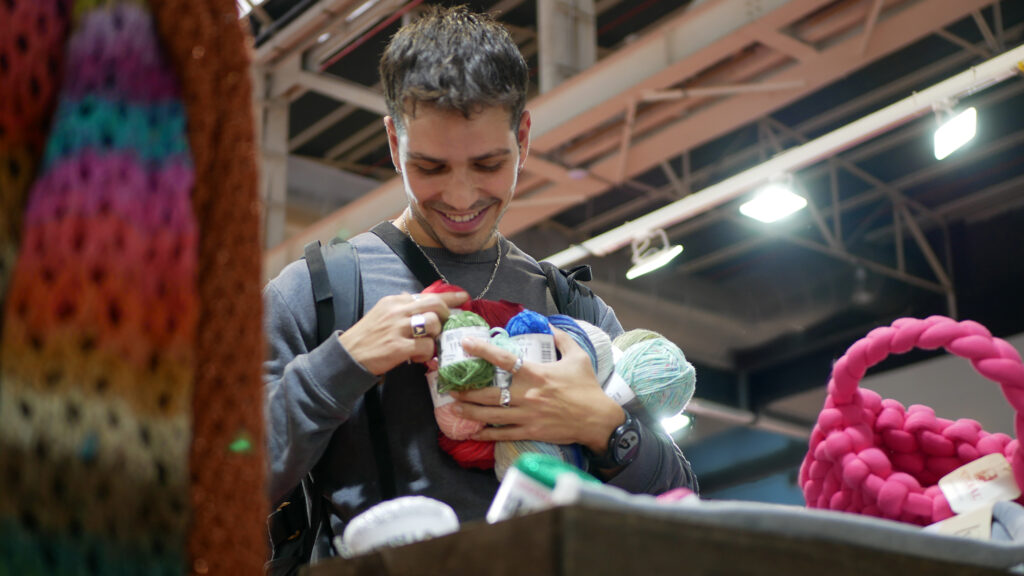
654, 121
807, 216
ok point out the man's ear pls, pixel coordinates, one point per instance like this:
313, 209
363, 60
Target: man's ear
389, 126
523, 137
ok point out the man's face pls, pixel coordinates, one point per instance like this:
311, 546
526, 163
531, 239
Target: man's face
460, 173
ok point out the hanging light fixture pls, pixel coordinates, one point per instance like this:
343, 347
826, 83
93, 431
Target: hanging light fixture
955, 131
773, 201
650, 252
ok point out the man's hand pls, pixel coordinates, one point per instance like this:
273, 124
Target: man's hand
560, 402
383, 338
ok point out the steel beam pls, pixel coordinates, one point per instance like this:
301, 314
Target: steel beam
995, 70
275, 172
567, 40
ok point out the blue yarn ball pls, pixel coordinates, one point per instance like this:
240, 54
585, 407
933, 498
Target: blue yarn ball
528, 322
569, 325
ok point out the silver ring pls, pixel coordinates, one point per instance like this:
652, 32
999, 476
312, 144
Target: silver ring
506, 398
419, 325
515, 367
415, 297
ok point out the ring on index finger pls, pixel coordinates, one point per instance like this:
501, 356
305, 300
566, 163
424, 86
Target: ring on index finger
516, 366
419, 325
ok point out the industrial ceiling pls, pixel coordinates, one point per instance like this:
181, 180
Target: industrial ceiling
648, 105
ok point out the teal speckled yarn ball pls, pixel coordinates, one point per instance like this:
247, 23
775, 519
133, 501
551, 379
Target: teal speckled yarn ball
659, 374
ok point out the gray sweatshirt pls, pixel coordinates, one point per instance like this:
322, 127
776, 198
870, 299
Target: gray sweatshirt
316, 419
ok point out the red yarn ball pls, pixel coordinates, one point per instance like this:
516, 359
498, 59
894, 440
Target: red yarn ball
468, 453
495, 313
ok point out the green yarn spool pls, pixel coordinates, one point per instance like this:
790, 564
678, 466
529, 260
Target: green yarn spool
627, 339
546, 469
465, 372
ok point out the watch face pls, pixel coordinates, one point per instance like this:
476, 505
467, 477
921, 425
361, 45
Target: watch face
626, 446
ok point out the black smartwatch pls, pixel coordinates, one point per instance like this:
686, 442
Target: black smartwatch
623, 446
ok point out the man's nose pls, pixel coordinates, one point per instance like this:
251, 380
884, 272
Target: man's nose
461, 192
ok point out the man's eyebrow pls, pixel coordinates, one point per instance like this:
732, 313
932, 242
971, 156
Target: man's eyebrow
485, 156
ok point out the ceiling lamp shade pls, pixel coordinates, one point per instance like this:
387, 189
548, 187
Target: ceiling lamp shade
956, 132
650, 252
772, 203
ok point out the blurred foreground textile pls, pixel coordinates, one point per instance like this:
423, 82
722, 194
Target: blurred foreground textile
130, 398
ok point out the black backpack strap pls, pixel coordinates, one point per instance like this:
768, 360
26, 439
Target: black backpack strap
571, 297
323, 298
346, 285
407, 250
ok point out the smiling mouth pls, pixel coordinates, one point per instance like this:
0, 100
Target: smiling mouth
462, 218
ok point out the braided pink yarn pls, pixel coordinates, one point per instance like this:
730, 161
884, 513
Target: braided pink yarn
873, 456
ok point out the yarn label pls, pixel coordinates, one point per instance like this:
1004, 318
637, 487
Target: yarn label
975, 524
617, 389
451, 343
518, 494
439, 398
984, 481
536, 347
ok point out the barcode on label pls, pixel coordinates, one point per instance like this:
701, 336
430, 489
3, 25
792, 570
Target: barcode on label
451, 343
536, 347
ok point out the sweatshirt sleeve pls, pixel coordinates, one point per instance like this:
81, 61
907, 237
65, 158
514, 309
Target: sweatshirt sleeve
660, 465
311, 388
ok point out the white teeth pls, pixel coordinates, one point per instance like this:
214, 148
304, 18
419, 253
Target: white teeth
461, 219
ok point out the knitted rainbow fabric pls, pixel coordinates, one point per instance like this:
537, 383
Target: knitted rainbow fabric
98, 355
124, 325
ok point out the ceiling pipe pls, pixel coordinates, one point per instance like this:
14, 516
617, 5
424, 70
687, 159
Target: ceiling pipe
298, 30
373, 32
977, 78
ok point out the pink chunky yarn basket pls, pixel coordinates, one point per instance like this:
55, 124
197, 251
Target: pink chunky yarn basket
872, 456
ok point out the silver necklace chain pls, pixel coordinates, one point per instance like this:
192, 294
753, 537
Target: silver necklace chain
494, 272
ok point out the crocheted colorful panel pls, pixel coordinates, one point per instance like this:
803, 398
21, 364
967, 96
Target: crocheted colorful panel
98, 351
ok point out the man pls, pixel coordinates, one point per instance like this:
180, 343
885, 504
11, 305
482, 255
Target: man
455, 85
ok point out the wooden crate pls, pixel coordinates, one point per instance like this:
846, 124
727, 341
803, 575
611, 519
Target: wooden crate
578, 541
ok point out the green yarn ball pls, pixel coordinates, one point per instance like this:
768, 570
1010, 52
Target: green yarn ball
470, 373
627, 339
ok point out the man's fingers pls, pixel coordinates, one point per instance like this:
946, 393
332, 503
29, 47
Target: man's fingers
502, 434
423, 350
489, 413
450, 300
438, 303
499, 357
489, 396
565, 343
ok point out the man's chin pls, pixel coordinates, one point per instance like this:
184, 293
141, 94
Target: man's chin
465, 244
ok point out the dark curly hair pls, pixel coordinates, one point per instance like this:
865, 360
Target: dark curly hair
454, 59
